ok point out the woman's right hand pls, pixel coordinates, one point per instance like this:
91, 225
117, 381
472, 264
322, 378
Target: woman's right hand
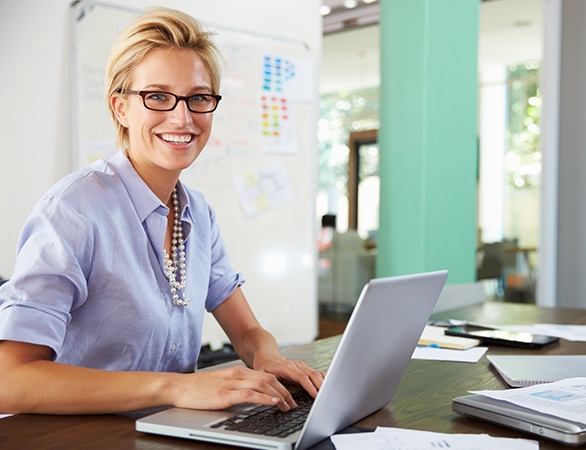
222, 388
79, 390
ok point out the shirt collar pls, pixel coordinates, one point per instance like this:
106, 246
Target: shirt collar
144, 200
184, 202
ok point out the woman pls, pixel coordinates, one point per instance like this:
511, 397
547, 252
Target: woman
117, 262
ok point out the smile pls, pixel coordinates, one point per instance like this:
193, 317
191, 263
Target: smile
176, 138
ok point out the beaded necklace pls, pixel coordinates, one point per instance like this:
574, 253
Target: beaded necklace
177, 262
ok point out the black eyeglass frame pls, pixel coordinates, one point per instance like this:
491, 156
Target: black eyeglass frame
178, 98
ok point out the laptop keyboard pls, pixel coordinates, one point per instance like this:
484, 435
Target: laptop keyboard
269, 420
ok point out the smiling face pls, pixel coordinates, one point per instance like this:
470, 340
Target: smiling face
163, 143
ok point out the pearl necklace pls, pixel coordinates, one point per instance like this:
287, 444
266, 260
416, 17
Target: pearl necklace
178, 263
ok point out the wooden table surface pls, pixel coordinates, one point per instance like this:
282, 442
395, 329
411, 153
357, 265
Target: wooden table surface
422, 401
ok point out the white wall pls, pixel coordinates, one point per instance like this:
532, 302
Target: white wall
33, 121
35, 81
350, 60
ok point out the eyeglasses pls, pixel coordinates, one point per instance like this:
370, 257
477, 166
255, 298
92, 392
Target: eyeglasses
167, 101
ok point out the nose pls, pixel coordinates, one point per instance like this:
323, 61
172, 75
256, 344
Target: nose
181, 114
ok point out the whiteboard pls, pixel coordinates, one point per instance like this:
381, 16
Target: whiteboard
258, 170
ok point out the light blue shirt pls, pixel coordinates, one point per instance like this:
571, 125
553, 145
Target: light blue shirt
89, 280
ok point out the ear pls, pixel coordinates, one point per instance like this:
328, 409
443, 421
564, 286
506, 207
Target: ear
119, 105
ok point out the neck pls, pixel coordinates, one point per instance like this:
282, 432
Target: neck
164, 192
160, 182
169, 201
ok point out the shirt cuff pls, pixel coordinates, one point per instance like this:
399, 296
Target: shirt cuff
26, 324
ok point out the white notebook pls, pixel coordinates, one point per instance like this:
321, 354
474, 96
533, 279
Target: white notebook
527, 370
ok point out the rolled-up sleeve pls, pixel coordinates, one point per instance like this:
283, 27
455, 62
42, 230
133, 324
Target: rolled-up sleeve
49, 279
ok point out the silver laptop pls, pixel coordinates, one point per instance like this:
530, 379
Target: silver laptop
519, 418
366, 369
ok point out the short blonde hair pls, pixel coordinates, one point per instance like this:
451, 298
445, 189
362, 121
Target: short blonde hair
158, 28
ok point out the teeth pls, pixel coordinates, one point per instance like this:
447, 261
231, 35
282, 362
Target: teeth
176, 139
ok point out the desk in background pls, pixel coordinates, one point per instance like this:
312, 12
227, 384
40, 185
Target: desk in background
422, 401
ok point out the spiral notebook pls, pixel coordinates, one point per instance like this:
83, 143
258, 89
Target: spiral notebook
527, 370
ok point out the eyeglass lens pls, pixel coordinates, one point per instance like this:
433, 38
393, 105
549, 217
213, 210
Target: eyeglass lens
165, 101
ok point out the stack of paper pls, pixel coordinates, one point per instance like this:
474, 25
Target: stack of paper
401, 439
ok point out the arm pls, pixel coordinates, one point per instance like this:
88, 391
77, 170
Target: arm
258, 348
31, 383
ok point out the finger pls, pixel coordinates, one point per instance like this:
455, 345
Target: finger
311, 380
288, 402
268, 384
239, 396
317, 377
300, 373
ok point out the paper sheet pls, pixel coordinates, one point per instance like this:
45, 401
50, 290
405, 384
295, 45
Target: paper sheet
568, 332
400, 439
264, 189
471, 355
564, 398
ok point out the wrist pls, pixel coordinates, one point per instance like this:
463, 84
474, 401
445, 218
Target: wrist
167, 389
265, 360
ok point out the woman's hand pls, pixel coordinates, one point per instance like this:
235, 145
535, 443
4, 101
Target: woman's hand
79, 390
292, 371
222, 388
259, 350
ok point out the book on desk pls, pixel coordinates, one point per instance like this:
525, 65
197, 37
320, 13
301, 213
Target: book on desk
434, 336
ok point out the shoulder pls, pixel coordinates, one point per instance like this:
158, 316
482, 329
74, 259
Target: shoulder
80, 200
83, 179
86, 187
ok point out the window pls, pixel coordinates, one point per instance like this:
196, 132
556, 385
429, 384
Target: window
522, 154
363, 183
341, 115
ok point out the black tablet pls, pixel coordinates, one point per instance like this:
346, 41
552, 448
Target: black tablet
502, 337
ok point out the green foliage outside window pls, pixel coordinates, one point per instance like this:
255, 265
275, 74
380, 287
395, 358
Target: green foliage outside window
523, 155
340, 114
346, 111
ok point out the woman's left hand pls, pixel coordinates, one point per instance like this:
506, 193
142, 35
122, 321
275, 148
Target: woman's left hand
293, 371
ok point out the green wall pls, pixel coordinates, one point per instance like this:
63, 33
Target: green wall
428, 138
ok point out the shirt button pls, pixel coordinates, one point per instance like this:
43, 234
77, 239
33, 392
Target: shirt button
173, 347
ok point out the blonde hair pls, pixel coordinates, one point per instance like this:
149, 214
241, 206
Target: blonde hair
158, 28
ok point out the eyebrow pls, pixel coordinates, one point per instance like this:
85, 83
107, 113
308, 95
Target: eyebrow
166, 88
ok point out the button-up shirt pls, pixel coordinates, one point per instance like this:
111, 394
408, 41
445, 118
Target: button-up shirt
89, 280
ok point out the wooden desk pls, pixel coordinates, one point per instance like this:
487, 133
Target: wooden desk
422, 402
